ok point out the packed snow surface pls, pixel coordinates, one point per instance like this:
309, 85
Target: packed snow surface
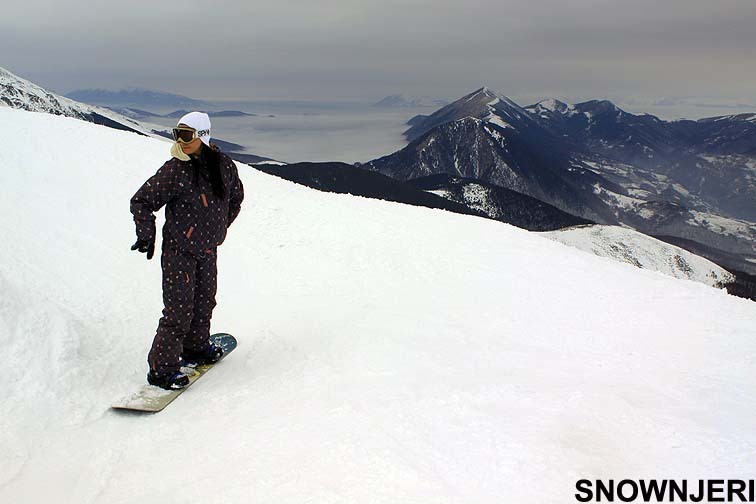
386, 353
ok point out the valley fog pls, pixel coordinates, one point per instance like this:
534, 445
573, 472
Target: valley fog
301, 131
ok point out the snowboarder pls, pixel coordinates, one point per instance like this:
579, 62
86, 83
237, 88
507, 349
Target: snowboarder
202, 194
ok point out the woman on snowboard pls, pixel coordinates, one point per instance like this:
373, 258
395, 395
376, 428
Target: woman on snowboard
202, 194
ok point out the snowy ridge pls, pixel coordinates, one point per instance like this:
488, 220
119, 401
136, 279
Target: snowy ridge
506, 108
629, 246
20, 93
750, 117
629, 207
549, 107
271, 162
387, 353
553, 105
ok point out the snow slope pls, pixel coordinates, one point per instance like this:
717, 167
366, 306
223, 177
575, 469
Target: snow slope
632, 247
387, 353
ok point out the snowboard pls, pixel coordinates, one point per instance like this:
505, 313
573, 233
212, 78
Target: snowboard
152, 399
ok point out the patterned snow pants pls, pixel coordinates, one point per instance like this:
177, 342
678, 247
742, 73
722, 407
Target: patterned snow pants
189, 285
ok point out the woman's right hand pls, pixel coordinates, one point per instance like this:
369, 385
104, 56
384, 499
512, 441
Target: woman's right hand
145, 247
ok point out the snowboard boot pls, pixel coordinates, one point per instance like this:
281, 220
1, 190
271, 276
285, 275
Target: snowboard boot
211, 354
170, 381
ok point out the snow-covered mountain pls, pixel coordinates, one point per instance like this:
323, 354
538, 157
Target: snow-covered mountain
707, 165
487, 137
388, 353
551, 109
20, 93
483, 104
645, 139
629, 246
574, 158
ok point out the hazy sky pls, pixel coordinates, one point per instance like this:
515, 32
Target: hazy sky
641, 51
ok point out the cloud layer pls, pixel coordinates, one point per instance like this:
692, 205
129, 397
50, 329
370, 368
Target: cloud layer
360, 50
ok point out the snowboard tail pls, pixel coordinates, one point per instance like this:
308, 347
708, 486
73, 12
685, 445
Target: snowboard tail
152, 399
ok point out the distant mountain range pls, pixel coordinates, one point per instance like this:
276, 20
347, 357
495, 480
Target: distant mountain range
134, 97
139, 114
401, 101
707, 165
690, 180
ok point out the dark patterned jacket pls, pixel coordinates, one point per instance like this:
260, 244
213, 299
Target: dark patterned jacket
196, 219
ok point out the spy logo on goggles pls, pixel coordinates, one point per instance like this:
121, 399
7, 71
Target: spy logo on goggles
186, 135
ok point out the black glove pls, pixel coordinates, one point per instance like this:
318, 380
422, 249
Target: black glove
145, 246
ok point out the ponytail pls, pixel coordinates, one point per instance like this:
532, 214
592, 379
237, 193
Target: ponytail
212, 157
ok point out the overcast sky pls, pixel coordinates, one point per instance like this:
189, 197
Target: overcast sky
638, 51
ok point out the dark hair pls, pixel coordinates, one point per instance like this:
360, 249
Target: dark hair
212, 158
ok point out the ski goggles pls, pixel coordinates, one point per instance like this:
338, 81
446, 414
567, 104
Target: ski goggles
184, 135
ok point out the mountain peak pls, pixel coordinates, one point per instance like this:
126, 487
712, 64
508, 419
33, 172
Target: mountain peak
551, 106
482, 104
596, 107
481, 93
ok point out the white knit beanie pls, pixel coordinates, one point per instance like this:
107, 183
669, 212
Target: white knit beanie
200, 122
